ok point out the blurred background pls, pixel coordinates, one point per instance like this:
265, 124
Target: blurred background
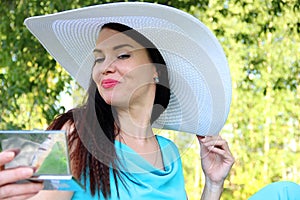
261, 40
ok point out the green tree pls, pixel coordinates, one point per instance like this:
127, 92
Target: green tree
261, 40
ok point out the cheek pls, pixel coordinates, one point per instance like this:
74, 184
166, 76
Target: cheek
96, 75
143, 75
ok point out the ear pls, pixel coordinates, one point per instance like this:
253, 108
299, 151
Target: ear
155, 72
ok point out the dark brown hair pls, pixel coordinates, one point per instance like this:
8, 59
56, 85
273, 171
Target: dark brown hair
93, 127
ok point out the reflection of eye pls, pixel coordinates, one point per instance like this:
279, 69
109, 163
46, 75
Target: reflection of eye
123, 56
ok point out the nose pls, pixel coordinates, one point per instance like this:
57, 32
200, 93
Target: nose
103, 68
108, 66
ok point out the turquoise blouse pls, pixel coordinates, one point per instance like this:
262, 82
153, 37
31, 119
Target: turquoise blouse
282, 190
144, 181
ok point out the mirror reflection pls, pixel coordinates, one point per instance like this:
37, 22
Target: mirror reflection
46, 151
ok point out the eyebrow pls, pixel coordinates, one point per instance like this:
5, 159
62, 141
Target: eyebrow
115, 48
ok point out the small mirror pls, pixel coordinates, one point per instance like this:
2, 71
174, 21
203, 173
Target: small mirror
46, 152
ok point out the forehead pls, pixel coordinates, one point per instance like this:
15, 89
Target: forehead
109, 38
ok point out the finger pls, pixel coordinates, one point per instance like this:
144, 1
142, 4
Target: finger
205, 139
6, 157
13, 175
21, 197
217, 142
217, 145
217, 150
224, 153
208, 138
18, 191
200, 137
16, 150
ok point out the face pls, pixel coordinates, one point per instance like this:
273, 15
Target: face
123, 71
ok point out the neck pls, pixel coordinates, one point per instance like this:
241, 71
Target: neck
134, 119
135, 122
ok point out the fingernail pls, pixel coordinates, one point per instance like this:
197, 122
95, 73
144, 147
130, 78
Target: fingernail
27, 172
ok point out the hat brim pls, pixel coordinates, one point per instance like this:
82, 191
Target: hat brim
199, 75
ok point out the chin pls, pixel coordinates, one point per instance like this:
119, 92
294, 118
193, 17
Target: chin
115, 101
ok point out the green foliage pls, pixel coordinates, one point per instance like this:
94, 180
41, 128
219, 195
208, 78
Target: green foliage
261, 40
55, 162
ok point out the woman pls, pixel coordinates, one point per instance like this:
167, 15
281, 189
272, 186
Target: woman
113, 149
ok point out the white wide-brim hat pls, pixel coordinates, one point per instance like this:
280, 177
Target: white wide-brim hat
199, 75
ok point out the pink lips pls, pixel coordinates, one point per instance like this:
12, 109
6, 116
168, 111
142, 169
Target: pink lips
109, 83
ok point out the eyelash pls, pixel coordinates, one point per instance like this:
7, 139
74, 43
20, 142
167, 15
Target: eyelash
99, 60
122, 57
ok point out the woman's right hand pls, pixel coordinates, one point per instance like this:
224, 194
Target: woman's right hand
9, 188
